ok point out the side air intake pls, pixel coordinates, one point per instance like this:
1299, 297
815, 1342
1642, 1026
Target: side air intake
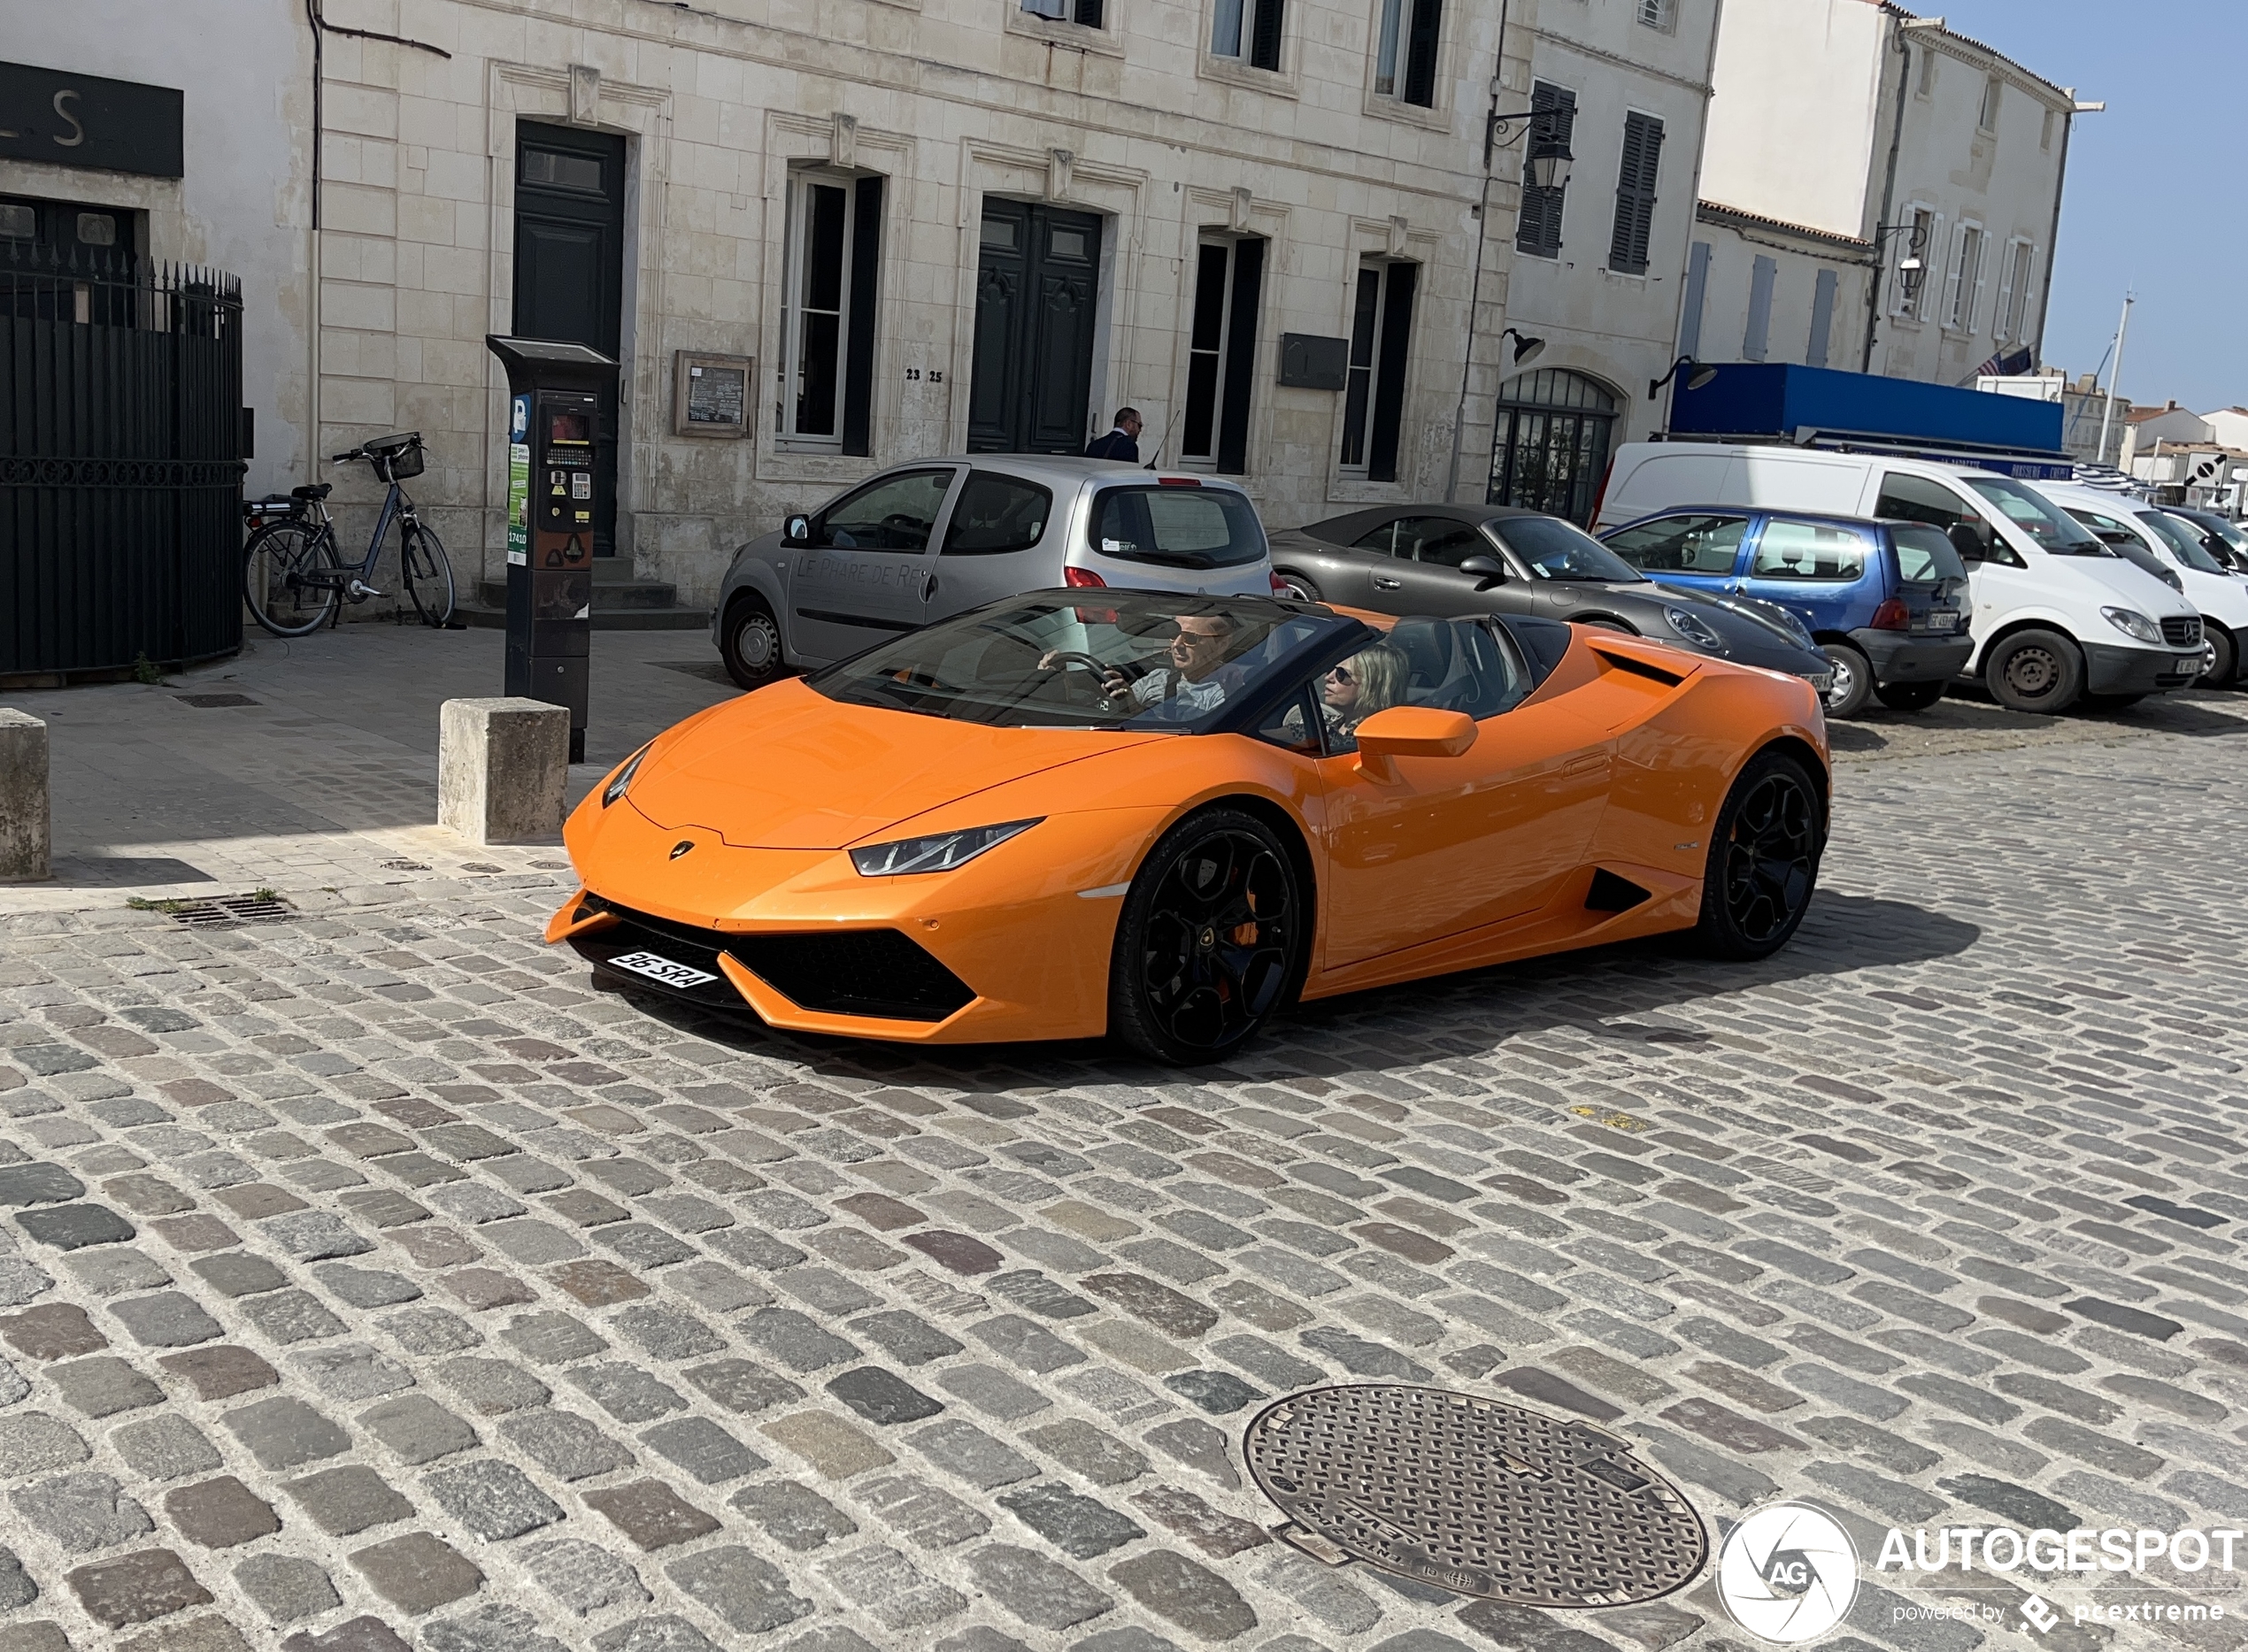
1611, 893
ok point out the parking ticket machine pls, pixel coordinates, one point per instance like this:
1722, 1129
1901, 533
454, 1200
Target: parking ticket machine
554, 417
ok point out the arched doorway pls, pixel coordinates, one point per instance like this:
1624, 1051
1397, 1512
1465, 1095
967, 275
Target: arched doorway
1554, 429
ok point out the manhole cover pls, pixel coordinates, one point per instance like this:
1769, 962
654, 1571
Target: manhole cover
1476, 1496
212, 701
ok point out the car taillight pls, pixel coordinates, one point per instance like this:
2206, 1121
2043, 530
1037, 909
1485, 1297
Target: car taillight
1179, 481
1280, 586
1892, 616
1084, 578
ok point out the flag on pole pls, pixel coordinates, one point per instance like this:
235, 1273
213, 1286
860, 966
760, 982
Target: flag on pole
2008, 366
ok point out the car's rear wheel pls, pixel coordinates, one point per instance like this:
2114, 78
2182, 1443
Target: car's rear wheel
1763, 859
2224, 658
1853, 683
750, 643
1286, 582
1209, 943
1909, 696
2035, 671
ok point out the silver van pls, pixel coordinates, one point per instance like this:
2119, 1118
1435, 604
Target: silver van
924, 540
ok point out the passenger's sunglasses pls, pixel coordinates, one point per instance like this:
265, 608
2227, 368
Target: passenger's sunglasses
1341, 673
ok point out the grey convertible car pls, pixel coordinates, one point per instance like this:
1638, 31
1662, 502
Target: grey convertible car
1450, 559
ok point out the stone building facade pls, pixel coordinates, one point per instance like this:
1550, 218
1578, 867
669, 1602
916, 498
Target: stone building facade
919, 226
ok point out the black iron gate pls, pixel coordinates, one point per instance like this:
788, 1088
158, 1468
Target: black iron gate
121, 464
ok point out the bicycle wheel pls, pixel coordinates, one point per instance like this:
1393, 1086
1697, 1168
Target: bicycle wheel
291, 578
428, 573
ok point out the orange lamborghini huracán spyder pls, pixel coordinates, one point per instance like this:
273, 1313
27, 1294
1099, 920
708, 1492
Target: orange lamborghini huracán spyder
1167, 817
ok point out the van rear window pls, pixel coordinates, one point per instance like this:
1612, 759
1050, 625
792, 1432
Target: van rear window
1924, 556
1179, 527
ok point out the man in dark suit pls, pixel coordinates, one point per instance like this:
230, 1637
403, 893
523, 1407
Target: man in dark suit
1123, 442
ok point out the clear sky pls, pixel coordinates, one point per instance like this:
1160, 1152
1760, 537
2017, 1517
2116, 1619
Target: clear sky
2149, 205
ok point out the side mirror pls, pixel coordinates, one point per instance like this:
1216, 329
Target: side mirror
1971, 540
796, 531
1488, 570
1410, 731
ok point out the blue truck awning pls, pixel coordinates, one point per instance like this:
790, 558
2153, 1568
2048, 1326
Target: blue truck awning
1819, 407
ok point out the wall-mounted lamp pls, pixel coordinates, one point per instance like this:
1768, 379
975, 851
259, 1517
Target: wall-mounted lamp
1526, 348
1548, 166
1698, 374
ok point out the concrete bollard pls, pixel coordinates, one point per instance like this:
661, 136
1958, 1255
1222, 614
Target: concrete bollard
502, 769
26, 824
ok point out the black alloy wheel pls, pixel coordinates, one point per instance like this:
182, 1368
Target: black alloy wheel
1209, 941
750, 644
1763, 859
2035, 671
1909, 696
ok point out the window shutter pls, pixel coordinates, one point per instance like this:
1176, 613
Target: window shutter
1264, 45
1642, 147
1981, 279
1398, 281
2002, 318
1953, 267
1823, 320
1420, 53
1756, 342
1689, 314
1088, 13
2023, 322
1240, 351
1537, 228
865, 283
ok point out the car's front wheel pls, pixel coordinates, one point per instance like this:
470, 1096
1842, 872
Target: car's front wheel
2224, 658
1210, 941
2035, 671
750, 643
1764, 858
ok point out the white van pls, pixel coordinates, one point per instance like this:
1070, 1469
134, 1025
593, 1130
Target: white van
2059, 617
2220, 594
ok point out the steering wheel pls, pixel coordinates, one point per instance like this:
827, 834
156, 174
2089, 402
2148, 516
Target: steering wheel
900, 526
1073, 657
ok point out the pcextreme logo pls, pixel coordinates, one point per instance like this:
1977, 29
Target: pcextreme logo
1787, 1573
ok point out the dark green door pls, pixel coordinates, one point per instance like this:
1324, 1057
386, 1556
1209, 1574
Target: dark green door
569, 267
1036, 304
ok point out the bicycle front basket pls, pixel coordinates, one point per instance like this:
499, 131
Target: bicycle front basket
396, 458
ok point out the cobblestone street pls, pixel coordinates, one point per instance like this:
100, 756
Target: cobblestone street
371, 1281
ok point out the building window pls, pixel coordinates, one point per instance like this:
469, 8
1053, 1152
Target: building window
1756, 343
1911, 264
2012, 321
1643, 152
827, 318
2045, 132
1965, 283
1222, 354
1374, 390
1537, 223
1993, 87
1822, 319
1662, 14
1248, 30
1927, 71
1689, 311
1086, 13
1405, 58
1554, 429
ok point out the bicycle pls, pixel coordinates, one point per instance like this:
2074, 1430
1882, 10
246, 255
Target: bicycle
294, 578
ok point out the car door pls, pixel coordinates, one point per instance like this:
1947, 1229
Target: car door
1000, 540
1695, 551
1423, 575
1827, 574
864, 574
1455, 844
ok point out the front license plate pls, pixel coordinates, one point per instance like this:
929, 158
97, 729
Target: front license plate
660, 968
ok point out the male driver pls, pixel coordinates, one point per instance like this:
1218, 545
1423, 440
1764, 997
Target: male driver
1198, 679
1121, 442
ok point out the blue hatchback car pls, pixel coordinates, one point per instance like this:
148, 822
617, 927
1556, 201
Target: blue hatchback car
1887, 601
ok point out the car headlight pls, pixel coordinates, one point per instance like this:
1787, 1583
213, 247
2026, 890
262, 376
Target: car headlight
939, 852
1695, 629
2133, 624
1779, 618
621, 782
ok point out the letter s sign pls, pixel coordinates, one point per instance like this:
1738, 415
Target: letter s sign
77, 131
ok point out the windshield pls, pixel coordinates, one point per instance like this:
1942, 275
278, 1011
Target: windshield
2228, 531
1134, 660
1925, 554
1556, 549
2053, 528
2185, 543
1176, 526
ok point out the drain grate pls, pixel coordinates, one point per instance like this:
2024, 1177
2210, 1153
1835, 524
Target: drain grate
227, 909
1473, 1496
405, 865
212, 701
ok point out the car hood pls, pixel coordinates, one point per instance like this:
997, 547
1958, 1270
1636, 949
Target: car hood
787, 767
2134, 584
